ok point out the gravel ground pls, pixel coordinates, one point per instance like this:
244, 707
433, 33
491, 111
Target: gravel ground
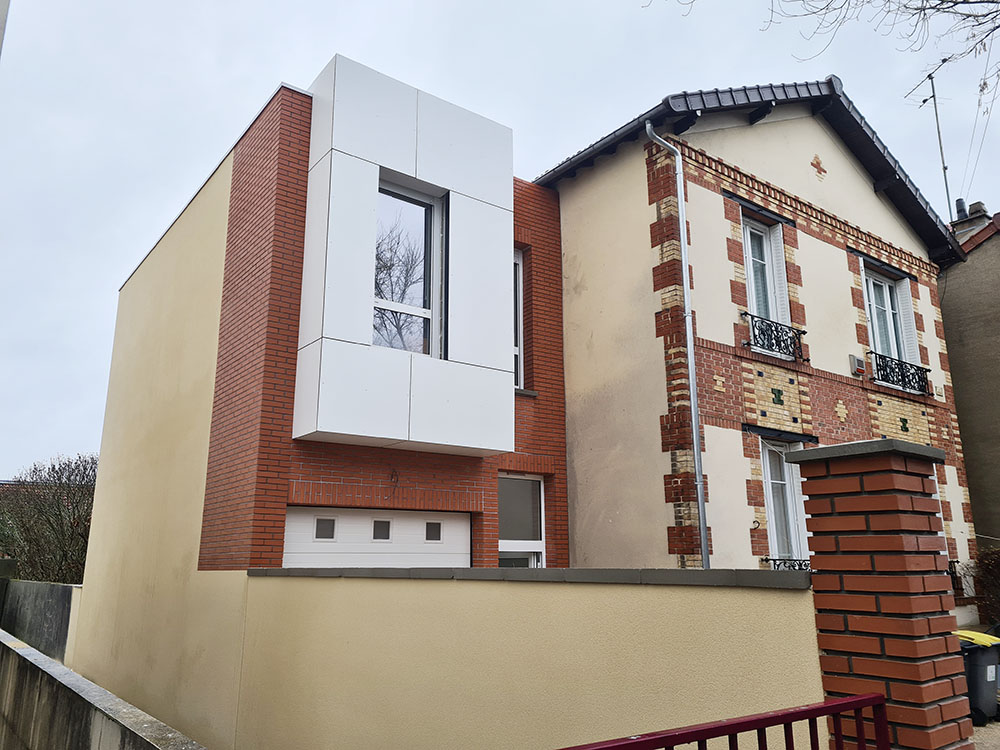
988, 737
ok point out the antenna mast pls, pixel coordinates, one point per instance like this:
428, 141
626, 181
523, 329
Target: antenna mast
944, 167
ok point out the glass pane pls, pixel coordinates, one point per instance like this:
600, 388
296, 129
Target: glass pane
883, 337
757, 246
325, 528
402, 257
760, 289
401, 331
520, 509
380, 530
517, 371
514, 560
432, 533
517, 306
776, 465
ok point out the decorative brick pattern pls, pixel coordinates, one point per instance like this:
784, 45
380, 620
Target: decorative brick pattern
255, 469
882, 592
896, 418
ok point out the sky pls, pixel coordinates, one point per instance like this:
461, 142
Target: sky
112, 115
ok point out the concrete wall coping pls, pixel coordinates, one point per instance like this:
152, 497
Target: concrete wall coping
763, 579
866, 448
154, 732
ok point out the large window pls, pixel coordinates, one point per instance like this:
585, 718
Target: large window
892, 331
764, 261
521, 511
883, 316
786, 529
518, 320
408, 272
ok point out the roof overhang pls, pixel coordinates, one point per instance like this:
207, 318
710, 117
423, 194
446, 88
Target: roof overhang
828, 100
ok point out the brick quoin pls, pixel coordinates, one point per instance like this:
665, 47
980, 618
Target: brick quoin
882, 590
255, 469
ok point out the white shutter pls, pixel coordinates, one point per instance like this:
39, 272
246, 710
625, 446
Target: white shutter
798, 505
748, 269
865, 302
777, 257
908, 334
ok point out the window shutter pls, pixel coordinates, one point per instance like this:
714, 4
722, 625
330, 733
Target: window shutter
748, 270
865, 302
797, 502
777, 257
908, 334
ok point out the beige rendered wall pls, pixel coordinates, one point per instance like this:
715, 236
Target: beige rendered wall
781, 148
618, 517
711, 269
495, 664
729, 515
150, 628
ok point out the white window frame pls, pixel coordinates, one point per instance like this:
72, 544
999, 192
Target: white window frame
336, 527
536, 547
440, 529
774, 264
899, 315
391, 525
793, 499
435, 313
518, 319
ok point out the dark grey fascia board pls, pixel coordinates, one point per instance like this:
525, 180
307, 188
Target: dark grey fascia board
829, 102
867, 448
762, 579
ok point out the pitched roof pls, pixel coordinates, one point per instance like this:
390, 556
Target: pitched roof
829, 101
982, 234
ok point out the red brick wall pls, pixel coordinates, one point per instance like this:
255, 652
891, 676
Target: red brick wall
255, 469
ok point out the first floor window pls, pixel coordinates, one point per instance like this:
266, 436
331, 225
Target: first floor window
764, 262
408, 271
786, 529
884, 316
520, 507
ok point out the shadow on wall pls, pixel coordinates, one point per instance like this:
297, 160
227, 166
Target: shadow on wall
35, 612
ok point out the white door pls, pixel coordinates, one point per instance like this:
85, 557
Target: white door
352, 538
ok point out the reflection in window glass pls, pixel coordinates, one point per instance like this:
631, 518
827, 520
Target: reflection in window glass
399, 330
402, 260
520, 509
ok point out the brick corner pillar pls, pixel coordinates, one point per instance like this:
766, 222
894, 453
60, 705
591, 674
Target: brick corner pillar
881, 588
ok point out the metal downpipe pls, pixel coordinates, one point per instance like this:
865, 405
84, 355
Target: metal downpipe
699, 483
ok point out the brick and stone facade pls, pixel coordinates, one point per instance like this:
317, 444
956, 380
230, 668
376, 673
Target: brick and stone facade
256, 470
747, 390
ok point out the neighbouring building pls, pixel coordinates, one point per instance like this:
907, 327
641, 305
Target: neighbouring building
968, 299
365, 350
817, 320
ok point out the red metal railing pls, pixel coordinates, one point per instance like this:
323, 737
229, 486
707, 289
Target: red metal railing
759, 723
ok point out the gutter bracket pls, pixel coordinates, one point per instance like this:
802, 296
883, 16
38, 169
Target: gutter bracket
684, 124
761, 112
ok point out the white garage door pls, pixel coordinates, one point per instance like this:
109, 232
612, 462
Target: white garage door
349, 538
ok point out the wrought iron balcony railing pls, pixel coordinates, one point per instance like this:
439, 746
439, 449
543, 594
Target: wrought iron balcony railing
901, 374
771, 336
786, 563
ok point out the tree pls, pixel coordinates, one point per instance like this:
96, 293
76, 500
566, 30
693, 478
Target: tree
399, 277
45, 518
969, 25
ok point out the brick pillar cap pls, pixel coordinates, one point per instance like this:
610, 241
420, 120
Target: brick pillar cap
866, 448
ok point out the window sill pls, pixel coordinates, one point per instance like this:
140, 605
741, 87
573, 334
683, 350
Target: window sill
525, 392
900, 388
769, 353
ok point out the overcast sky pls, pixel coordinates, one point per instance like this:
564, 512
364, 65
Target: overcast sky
113, 114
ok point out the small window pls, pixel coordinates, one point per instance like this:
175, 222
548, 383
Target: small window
381, 530
521, 510
432, 531
408, 277
518, 320
326, 528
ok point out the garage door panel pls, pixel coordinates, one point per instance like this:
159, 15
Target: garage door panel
354, 545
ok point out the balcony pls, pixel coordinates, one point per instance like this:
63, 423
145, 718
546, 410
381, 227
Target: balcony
900, 374
774, 338
786, 563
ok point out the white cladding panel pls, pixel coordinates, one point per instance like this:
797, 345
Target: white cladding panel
461, 405
354, 547
364, 390
366, 127
350, 250
374, 117
306, 410
480, 249
314, 256
464, 152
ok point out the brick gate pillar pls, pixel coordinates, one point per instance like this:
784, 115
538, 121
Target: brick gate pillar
882, 592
